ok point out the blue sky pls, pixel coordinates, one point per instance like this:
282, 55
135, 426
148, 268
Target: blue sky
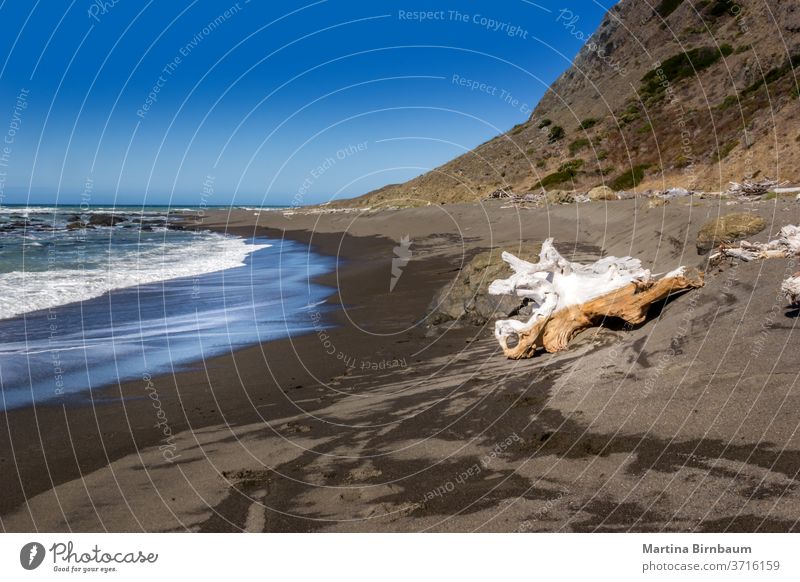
262, 102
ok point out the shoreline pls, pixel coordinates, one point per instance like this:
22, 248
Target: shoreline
126, 403
60, 349
607, 436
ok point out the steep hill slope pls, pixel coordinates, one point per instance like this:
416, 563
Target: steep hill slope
665, 93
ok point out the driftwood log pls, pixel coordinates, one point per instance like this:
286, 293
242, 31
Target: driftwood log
748, 188
571, 297
786, 245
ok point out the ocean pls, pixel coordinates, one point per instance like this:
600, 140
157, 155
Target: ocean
91, 298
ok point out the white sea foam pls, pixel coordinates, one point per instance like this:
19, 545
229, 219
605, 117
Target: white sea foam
23, 292
71, 210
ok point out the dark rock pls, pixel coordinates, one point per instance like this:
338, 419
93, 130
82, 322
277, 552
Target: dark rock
105, 219
467, 299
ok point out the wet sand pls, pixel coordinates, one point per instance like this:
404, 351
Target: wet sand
686, 423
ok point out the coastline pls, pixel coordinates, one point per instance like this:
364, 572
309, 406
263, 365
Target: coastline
286, 436
119, 420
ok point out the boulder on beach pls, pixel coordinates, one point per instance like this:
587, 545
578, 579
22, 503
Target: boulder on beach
467, 298
727, 229
602, 193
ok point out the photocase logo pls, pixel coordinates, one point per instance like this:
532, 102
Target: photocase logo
31, 555
402, 254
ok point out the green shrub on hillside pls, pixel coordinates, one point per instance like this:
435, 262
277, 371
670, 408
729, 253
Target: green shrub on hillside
729, 101
667, 7
726, 149
630, 114
629, 179
556, 133
544, 123
681, 66
578, 145
566, 172
571, 166
720, 7
774, 75
588, 123
554, 179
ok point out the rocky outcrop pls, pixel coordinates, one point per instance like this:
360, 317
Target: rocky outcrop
467, 299
105, 219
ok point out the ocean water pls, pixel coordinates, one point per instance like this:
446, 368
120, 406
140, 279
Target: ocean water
90, 299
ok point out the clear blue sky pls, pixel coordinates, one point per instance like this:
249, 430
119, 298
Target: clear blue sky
261, 102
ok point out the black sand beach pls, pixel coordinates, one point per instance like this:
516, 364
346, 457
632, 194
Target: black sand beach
685, 423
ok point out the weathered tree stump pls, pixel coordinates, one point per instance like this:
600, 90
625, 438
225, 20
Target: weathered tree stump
572, 297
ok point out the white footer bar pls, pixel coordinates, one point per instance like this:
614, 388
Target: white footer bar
401, 557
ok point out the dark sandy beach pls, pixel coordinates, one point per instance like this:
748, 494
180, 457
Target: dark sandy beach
685, 423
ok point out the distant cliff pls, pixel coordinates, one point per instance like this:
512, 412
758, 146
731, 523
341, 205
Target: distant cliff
686, 93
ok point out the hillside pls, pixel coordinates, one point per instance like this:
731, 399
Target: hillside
688, 93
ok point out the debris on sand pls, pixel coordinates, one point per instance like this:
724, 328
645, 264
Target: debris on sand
657, 202
542, 197
516, 199
501, 194
671, 193
748, 188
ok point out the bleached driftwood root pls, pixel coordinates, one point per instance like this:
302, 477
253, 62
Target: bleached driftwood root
786, 245
571, 297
